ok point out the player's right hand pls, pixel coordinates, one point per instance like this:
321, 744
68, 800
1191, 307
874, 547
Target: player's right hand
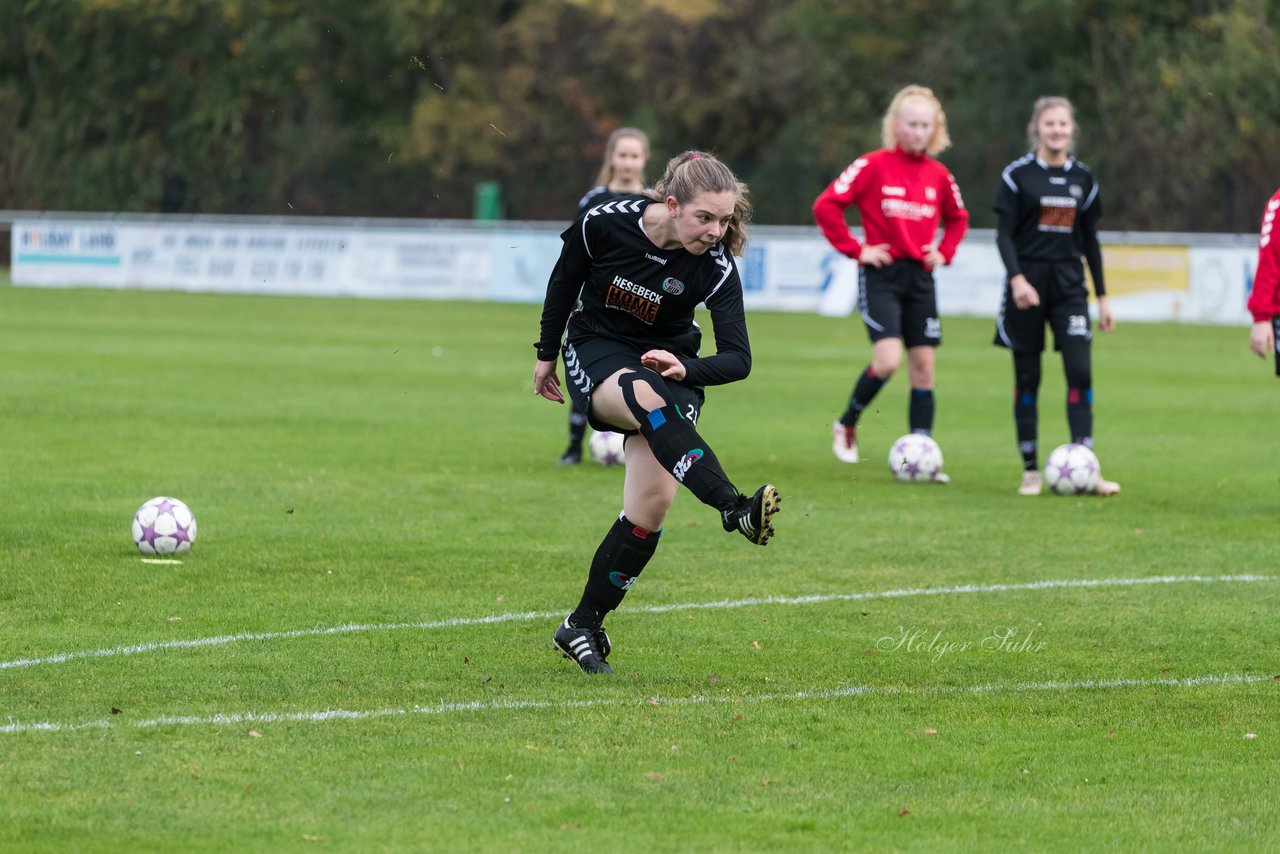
875, 256
1024, 294
545, 381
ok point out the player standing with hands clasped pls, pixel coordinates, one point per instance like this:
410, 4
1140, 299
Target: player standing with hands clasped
642, 264
1048, 208
1264, 301
622, 174
902, 194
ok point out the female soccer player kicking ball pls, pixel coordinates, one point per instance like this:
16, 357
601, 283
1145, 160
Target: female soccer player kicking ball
642, 264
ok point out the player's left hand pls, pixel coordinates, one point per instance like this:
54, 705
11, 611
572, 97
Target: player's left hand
932, 257
1106, 320
666, 364
1262, 338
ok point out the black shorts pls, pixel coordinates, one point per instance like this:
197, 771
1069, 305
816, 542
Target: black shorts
591, 360
900, 301
1064, 303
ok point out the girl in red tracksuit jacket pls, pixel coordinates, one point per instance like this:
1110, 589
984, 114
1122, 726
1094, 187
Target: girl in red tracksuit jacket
1264, 301
902, 194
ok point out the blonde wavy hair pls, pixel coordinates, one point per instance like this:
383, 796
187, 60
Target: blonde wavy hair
941, 140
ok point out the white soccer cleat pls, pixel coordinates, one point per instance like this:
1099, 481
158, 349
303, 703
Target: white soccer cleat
1105, 487
1032, 484
844, 442
942, 477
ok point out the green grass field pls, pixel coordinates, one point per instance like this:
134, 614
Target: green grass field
356, 655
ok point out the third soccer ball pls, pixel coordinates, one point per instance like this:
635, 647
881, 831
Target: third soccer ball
1072, 470
915, 457
606, 447
163, 526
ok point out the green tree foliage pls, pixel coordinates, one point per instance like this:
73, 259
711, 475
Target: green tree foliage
398, 107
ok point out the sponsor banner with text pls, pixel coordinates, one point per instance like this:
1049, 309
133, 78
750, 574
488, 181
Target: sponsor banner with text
784, 269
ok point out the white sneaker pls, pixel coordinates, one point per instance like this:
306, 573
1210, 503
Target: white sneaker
1031, 483
1106, 487
844, 442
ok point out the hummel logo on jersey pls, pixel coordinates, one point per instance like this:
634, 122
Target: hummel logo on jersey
662, 261
686, 463
620, 206
845, 181
893, 191
1057, 179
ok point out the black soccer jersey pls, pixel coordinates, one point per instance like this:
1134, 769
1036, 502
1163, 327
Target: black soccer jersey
636, 293
1048, 213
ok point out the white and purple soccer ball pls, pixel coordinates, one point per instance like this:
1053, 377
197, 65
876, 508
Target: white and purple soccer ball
164, 526
1072, 469
915, 458
607, 447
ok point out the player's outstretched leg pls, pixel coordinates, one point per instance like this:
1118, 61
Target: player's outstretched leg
753, 517
677, 446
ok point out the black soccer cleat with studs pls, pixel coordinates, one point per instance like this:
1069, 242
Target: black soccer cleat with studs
753, 517
587, 647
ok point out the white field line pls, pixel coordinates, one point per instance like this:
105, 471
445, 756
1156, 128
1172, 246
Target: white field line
902, 593
239, 718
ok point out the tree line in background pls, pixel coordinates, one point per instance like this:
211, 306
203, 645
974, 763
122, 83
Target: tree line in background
400, 107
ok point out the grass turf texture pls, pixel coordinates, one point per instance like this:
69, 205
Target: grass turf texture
386, 463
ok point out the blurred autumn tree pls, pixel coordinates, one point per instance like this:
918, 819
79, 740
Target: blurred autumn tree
398, 107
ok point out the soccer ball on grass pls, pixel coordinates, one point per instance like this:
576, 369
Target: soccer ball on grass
164, 526
915, 458
606, 447
1072, 469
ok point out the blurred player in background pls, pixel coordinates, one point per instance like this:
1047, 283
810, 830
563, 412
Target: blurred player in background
642, 263
1264, 301
625, 155
902, 194
1048, 208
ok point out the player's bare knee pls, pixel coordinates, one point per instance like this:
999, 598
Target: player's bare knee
643, 391
885, 369
647, 397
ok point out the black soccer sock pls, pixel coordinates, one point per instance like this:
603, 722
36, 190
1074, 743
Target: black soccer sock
864, 391
1080, 415
678, 447
1026, 415
920, 411
1076, 363
577, 430
618, 562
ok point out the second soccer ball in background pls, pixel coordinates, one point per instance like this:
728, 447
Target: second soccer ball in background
606, 447
915, 458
